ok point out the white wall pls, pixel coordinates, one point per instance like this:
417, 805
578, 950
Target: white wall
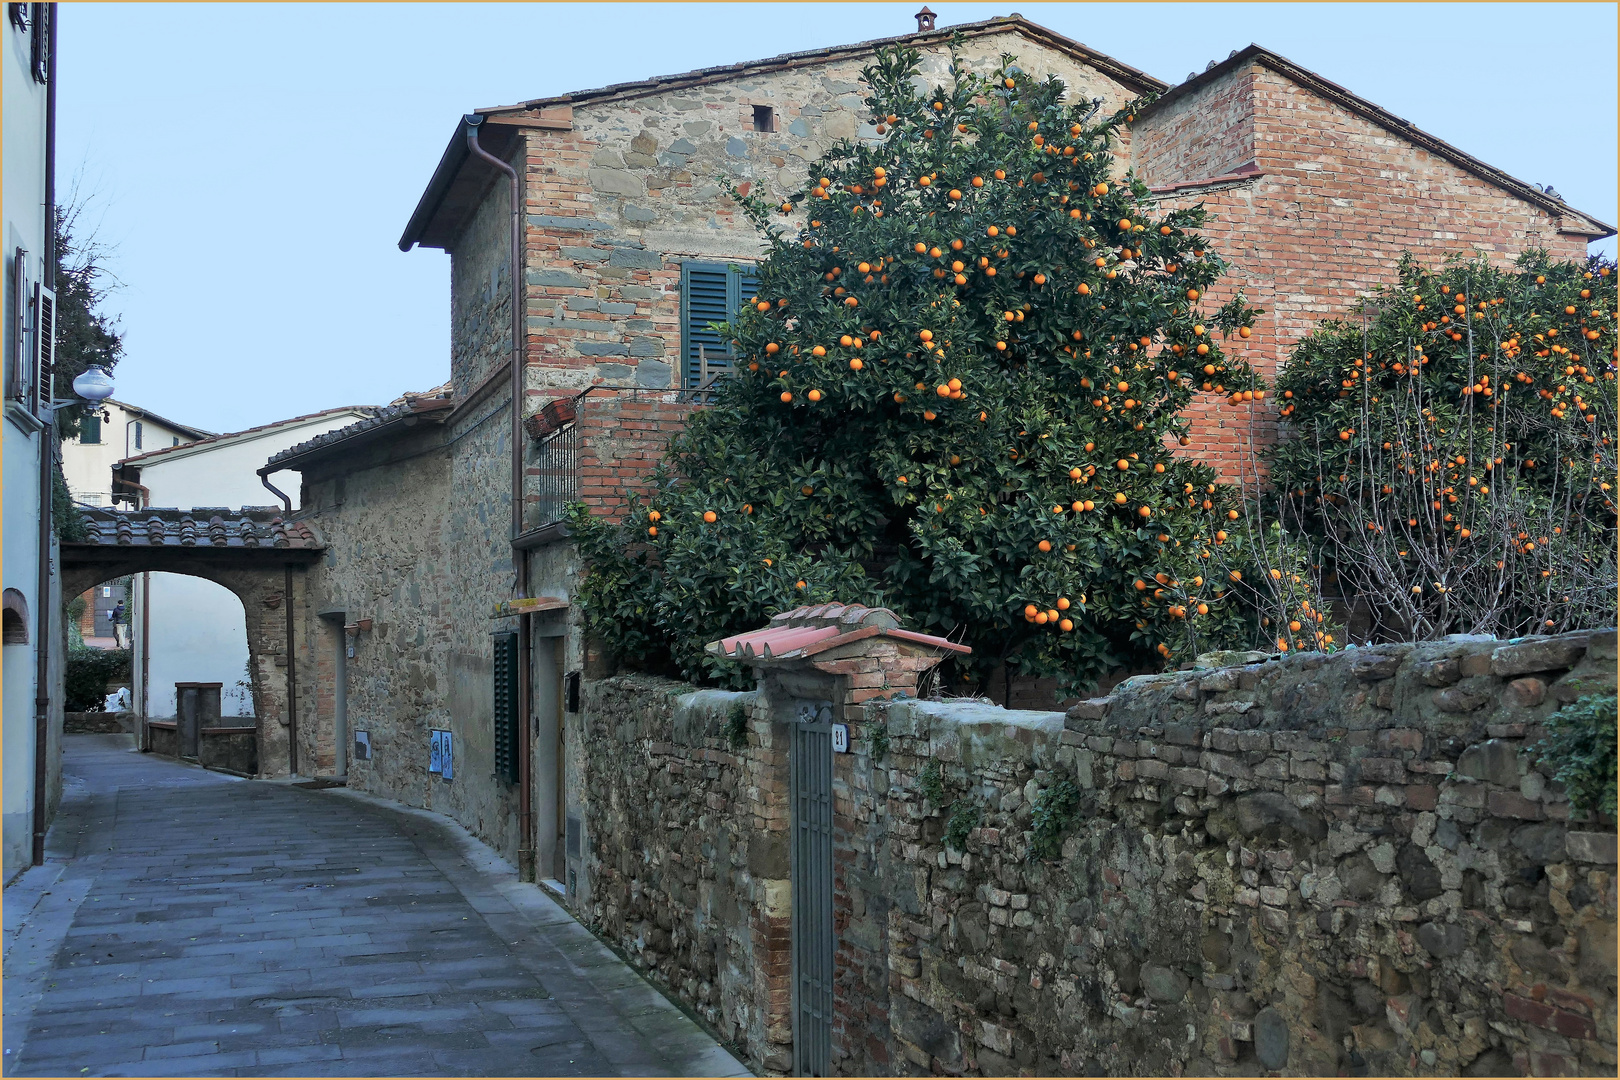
197, 629
22, 204
198, 634
87, 467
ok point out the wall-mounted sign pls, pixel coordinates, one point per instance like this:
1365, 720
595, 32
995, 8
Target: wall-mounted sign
528, 606
362, 746
840, 738
440, 757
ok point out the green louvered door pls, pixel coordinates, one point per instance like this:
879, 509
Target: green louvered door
506, 706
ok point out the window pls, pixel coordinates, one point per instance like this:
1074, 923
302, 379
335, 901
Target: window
764, 118
138, 430
90, 429
710, 292
175, 441
17, 371
506, 706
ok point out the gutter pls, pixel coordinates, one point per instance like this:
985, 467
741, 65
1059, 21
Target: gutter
520, 558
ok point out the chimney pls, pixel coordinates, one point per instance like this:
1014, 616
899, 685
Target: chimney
925, 20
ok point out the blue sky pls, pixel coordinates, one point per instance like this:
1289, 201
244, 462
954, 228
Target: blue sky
254, 165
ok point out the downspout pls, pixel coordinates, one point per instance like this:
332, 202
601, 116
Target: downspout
47, 471
292, 678
286, 501
520, 558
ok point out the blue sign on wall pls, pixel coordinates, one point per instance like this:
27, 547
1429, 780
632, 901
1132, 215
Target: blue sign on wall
440, 756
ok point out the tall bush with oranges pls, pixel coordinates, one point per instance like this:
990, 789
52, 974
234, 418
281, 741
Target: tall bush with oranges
956, 393
1453, 452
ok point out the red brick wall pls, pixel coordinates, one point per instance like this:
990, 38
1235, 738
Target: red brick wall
622, 436
1199, 136
1339, 199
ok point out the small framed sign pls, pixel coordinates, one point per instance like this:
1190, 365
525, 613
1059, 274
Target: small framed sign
435, 752
840, 738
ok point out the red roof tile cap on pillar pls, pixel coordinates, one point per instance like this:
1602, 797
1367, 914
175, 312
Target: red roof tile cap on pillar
806, 631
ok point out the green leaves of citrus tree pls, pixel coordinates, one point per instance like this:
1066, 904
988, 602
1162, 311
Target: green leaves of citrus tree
959, 393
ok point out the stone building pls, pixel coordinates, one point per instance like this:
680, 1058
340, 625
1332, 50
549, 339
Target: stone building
433, 589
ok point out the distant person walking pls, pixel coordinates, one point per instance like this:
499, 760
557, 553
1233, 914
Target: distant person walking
117, 618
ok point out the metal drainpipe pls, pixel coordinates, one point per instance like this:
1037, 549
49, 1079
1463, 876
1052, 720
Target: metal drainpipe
292, 678
47, 475
286, 501
520, 558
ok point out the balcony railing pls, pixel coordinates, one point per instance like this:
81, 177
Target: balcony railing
556, 479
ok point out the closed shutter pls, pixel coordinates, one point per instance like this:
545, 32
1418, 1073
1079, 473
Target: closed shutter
20, 358
710, 293
90, 429
506, 706
45, 345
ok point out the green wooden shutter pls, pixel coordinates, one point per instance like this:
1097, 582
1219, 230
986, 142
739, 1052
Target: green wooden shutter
90, 428
506, 706
710, 293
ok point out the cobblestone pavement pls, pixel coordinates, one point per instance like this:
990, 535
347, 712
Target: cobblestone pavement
189, 923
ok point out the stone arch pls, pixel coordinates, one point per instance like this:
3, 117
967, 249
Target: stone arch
15, 631
263, 593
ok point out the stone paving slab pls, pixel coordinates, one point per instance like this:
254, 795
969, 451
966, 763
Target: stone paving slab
192, 924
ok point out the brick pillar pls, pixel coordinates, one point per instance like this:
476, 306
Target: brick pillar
846, 655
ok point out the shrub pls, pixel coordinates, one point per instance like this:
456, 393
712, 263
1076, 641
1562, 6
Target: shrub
737, 726
1579, 745
965, 817
1055, 810
1453, 449
956, 394
86, 675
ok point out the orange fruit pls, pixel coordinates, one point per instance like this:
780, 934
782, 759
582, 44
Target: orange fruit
855, 364
786, 397
814, 395
652, 530
709, 517
1044, 545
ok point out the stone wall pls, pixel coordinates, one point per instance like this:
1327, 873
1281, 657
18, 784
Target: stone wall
686, 861
1312, 864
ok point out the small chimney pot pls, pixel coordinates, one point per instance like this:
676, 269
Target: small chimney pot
925, 20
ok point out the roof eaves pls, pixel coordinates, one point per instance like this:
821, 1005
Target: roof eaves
1390, 122
1135, 79
433, 409
456, 153
227, 437
148, 414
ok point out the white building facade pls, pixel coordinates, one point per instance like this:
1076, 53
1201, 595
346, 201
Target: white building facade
187, 629
119, 430
32, 607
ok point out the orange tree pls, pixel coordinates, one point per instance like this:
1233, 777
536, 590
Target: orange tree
956, 394
1453, 451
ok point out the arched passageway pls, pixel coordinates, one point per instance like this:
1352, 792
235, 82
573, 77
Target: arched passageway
255, 554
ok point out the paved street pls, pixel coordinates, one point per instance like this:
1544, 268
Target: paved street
190, 923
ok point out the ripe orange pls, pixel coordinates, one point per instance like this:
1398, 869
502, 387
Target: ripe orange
814, 395
786, 397
652, 530
709, 517
1044, 545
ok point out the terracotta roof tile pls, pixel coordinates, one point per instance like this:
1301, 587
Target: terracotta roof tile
806, 631
411, 405
204, 527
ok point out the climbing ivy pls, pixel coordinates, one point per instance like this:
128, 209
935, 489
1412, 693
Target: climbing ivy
1579, 745
1055, 810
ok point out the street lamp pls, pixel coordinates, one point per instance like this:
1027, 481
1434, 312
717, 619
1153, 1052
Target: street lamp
94, 384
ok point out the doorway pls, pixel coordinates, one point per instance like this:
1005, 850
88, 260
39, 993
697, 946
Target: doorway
339, 646
550, 756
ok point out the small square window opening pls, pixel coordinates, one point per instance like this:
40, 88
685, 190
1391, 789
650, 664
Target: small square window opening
764, 118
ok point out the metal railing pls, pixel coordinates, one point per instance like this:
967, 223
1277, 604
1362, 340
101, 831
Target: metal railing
556, 480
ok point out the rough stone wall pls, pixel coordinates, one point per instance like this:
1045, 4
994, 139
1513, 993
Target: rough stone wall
687, 852
616, 204
386, 561
480, 292
1339, 199
1311, 865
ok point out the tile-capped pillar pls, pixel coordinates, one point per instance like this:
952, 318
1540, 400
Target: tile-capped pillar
817, 668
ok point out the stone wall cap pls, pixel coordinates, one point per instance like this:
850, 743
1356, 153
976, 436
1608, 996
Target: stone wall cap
805, 631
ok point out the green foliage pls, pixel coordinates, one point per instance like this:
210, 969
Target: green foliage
931, 784
948, 442
878, 739
1055, 810
88, 671
1453, 450
72, 612
737, 726
85, 336
1579, 744
65, 516
965, 817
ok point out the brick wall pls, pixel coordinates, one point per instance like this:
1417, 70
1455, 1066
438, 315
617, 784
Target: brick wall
1337, 200
622, 437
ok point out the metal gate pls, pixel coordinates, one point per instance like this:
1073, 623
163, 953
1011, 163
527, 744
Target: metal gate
812, 836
